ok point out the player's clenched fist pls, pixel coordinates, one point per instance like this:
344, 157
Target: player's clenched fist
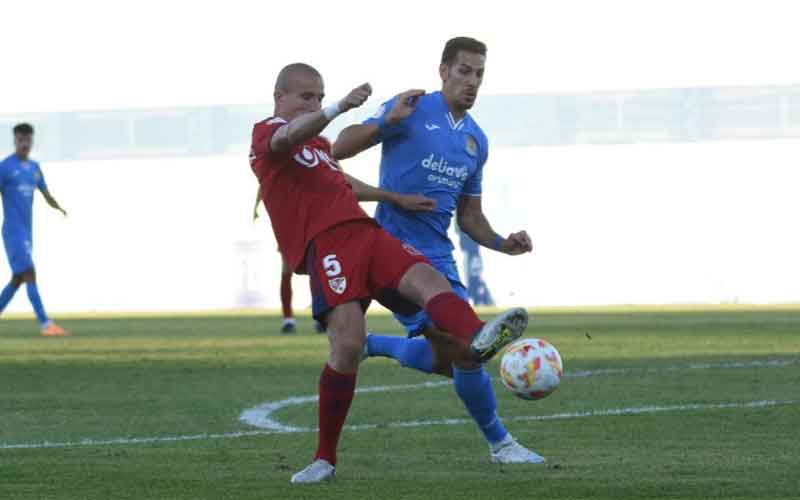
356, 97
517, 243
404, 105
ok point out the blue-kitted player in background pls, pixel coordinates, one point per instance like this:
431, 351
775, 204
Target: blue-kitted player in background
477, 289
432, 146
20, 177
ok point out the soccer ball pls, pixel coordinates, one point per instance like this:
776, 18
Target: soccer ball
531, 368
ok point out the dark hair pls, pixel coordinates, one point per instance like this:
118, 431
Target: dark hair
23, 129
282, 82
465, 43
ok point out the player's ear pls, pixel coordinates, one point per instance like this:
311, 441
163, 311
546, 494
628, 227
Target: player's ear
444, 71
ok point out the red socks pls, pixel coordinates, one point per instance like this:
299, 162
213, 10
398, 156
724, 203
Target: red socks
336, 391
451, 314
286, 295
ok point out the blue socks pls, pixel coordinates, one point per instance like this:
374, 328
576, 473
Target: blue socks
6, 295
475, 389
411, 353
36, 302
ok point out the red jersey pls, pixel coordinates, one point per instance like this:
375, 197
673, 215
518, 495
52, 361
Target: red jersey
304, 190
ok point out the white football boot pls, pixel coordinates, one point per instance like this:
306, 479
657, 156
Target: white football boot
319, 470
498, 333
509, 451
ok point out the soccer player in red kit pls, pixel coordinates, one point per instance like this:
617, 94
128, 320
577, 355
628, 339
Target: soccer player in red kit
364, 192
322, 231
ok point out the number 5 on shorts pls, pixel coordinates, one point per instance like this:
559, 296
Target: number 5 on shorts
331, 265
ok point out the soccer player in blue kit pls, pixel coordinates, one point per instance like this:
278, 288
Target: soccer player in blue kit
432, 146
20, 177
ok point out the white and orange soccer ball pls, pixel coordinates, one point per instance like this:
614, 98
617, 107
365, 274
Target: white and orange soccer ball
531, 368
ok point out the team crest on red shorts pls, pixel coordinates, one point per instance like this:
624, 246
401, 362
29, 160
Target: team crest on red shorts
410, 249
338, 285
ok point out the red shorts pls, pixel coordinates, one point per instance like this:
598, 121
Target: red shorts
358, 261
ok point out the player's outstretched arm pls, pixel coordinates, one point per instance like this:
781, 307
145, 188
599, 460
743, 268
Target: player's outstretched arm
473, 221
309, 125
357, 138
411, 202
52, 202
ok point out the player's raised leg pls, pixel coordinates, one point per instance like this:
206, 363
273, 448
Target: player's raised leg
346, 331
414, 353
480, 341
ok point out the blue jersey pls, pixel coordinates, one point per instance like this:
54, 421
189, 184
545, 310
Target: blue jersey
18, 182
432, 154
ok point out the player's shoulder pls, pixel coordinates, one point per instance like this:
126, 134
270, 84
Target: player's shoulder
264, 129
431, 101
274, 120
6, 163
269, 122
477, 131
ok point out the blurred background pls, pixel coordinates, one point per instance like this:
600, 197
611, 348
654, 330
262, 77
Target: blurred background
652, 162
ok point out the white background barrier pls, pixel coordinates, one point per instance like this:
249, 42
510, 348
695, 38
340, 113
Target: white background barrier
653, 223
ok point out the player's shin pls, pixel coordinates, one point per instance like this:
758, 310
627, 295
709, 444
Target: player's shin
286, 295
336, 391
474, 387
36, 302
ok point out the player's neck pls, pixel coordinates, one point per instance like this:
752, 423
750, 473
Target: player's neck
457, 112
21, 157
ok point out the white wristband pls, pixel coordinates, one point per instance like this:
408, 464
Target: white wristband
331, 111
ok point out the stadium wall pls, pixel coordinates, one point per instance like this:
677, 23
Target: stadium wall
705, 222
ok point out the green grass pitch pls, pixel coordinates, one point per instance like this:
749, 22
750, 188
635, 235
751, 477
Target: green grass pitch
673, 403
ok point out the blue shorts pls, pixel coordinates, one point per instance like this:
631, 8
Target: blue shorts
416, 323
20, 255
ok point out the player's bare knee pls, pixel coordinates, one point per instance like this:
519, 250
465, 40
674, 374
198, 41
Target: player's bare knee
346, 351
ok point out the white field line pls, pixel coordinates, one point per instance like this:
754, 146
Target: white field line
768, 363
414, 423
260, 416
